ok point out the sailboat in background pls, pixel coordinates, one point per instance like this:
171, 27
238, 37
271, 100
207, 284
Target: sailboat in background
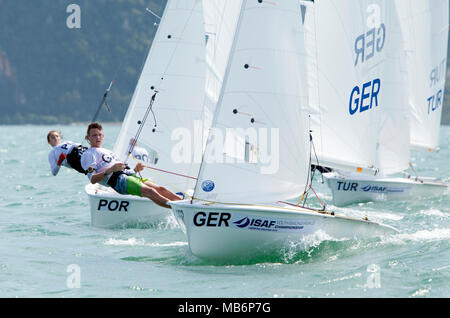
338, 62
171, 87
424, 31
257, 153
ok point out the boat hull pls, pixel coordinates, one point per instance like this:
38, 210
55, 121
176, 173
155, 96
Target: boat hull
234, 231
353, 189
110, 209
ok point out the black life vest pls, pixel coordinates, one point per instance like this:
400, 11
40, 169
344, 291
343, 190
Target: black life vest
74, 158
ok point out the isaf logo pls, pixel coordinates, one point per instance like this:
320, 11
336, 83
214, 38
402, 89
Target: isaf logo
208, 185
370, 188
246, 222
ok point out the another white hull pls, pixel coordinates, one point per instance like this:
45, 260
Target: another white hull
352, 189
229, 231
110, 209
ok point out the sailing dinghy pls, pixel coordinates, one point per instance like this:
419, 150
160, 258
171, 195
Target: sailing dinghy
424, 26
169, 95
257, 153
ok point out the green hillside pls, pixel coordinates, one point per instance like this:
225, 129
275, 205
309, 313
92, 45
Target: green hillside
50, 73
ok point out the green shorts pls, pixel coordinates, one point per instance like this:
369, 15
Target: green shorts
134, 185
129, 185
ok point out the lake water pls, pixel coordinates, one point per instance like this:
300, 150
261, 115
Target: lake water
46, 238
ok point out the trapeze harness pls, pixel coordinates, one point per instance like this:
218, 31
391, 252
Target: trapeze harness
74, 158
112, 182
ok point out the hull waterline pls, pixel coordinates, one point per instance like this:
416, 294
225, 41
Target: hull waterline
348, 189
230, 231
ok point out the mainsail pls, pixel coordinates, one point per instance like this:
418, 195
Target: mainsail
175, 68
354, 82
392, 124
425, 26
258, 146
220, 26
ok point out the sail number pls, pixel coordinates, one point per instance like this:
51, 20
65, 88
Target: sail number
113, 205
364, 97
435, 101
437, 76
369, 43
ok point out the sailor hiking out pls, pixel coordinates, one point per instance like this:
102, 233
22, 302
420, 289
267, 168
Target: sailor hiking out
102, 166
65, 153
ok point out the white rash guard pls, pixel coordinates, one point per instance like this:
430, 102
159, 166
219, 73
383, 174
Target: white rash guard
53, 156
95, 160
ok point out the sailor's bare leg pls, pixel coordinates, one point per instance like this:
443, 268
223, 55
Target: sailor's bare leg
163, 191
153, 195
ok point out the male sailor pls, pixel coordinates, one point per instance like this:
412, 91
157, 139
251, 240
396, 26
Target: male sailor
102, 166
65, 153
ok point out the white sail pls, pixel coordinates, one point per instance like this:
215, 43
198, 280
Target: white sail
350, 56
220, 25
258, 149
425, 25
175, 67
392, 119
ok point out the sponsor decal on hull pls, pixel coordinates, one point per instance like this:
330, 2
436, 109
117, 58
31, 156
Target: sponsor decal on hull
368, 188
250, 222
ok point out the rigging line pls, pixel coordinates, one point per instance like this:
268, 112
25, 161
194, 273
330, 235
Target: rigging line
415, 172
305, 192
141, 125
154, 14
103, 102
176, 188
312, 176
323, 205
317, 159
172, 173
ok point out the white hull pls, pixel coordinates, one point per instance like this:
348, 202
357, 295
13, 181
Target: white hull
110, 209
351, 189
229, 231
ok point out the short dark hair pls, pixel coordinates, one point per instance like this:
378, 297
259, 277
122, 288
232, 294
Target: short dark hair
94, 126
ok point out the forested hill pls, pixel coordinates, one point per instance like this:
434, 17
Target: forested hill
54, 72
51, 71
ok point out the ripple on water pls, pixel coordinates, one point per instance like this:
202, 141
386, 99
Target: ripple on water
36, 230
